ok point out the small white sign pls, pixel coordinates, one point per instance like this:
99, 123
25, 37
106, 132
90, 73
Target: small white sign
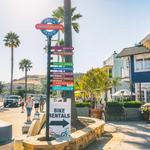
60, 116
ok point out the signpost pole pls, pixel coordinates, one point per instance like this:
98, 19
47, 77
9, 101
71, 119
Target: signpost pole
48, 87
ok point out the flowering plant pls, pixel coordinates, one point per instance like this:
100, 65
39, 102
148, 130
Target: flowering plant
145, 108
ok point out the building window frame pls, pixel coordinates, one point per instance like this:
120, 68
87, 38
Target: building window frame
143, 58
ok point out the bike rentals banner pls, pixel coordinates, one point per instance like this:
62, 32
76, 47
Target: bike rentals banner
60, 116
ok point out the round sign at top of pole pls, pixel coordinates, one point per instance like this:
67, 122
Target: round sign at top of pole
49, 26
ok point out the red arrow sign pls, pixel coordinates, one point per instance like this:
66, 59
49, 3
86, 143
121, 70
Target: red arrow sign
62, 83
49, 27
61, 78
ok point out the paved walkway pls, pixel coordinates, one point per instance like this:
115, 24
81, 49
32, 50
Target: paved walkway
124, 136
16, 118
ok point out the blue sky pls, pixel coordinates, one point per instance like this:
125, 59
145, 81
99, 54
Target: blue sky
106, 26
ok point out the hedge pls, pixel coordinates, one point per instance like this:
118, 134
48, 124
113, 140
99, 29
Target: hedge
83, 104
126, 104
134, 104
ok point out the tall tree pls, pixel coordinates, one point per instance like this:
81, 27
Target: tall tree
25, 65
12, 40
1, 87
68, 42
59, 14
115, 82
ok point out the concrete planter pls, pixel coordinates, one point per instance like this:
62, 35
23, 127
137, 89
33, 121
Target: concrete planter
78, 140
132, 114
83, 111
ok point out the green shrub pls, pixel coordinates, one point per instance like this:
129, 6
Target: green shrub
83, 104
114, 104
132, 104
127, 104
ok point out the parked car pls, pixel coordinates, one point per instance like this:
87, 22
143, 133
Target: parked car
12, 100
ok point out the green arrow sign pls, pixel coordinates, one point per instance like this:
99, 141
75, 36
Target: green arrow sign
62, 63
62, 88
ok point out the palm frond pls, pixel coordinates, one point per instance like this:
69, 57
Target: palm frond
76, 17
75, 27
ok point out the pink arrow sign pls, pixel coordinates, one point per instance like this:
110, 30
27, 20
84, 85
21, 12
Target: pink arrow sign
56, 48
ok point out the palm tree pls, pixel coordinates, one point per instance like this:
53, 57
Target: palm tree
115, 82
12, 40
59, 14
25, 65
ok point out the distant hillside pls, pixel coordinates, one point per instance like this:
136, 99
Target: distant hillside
32, 79
38, 79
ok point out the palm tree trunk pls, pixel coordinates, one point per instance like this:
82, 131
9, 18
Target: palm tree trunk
25, 83
12, 69
68, 42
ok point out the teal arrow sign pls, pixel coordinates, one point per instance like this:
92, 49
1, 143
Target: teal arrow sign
62, 88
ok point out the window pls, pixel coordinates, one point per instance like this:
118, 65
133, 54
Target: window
142, 62
147, 63
148, 96
139, 64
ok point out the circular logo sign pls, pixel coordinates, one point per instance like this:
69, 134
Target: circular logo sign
49, 24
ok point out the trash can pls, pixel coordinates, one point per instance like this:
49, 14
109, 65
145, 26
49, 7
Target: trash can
6, 138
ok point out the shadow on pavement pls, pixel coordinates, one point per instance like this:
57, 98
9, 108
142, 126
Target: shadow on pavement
100, 142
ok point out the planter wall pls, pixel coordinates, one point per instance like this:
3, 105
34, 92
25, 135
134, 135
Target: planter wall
83, 111
133, 114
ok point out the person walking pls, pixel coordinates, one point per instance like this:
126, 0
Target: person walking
42, 102
102, 109
36, 107
22, 106
29, 105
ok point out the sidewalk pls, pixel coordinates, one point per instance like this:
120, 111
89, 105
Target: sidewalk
125, 136
16, 118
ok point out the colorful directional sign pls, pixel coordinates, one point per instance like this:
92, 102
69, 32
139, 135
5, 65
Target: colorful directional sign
62, 73
62, 53
62, 48
62, 78
49, 26
62, 63
60, 116
62, 68
62, 88
54, 83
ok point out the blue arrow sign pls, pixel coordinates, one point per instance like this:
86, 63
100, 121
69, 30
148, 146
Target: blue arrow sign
62, 68
62, 88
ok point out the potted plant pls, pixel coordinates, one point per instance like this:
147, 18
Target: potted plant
145, 111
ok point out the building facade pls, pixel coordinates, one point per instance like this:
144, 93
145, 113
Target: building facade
114, 67
139, 69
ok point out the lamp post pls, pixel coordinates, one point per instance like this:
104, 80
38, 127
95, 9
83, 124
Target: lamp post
68, 42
